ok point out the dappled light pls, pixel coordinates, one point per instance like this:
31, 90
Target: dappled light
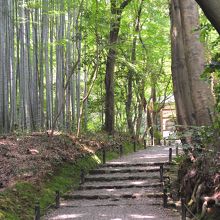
110, 190
103, 215
142, 216
87, 149
81, 215
96, 158
116, 163
67, 217
154, 156
137, 182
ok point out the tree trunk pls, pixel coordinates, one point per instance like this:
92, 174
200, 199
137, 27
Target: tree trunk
109, 86
51, 59
141, 100
68, 73
1, 67
150, 125
13, 107
131, 73
41, 77
194, 53
129, 103
212, 11
35, 71
78, 75
182, 93
60, 68
73, 78
24, 77
45, 21
110, 64
29, 68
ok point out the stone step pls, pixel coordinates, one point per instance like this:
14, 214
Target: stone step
114, 194
111, 202
135, 210
109, 170
127, 164
122, 185
122, 182
116, 197
120, 176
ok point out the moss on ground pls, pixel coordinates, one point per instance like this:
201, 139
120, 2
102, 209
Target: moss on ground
17, 202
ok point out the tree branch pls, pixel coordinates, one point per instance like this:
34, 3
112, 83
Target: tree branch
124, 4
137, 26
113, 6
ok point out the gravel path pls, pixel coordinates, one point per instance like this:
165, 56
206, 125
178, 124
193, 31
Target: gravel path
127, 188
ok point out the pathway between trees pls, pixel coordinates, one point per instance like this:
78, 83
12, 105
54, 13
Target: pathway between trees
127, 188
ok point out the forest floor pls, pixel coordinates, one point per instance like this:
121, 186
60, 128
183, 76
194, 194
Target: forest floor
31, 157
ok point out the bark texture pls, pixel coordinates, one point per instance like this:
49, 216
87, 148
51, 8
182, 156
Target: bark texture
195, 60
193, 96
110, 64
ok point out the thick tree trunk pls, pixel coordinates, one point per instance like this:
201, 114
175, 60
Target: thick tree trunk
182, 92
185, 114
110, 64
194, 53
211, 9
109, 86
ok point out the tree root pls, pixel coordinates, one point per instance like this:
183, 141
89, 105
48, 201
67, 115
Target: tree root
211, 205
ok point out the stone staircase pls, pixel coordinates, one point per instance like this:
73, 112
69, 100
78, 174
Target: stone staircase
127, 188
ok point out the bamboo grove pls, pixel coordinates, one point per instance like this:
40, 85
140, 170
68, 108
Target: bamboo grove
53, 58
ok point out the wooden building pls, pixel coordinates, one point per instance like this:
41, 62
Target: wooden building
168, 119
